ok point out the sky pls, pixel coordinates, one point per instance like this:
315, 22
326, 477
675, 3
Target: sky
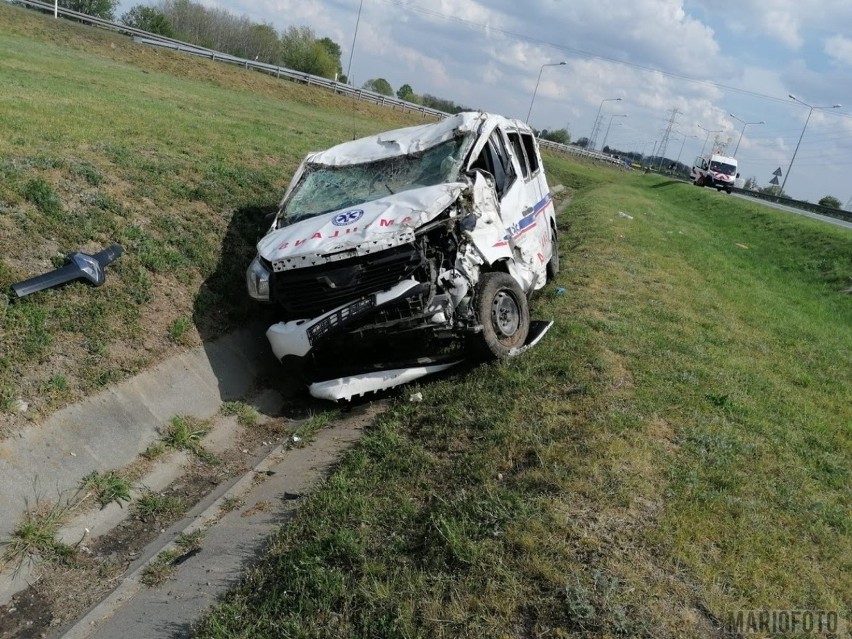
704, 58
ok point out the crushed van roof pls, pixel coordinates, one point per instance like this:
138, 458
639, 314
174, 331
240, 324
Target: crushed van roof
400, 141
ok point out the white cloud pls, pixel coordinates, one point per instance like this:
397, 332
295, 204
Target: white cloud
787, 21
840, 49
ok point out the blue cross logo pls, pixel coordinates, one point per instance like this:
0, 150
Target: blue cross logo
347, 218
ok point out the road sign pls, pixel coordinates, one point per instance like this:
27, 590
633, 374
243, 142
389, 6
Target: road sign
777, 172
774, 181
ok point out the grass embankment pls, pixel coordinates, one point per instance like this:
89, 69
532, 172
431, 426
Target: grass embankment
676, 449
176, 158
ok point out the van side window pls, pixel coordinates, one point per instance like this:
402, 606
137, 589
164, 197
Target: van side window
518, 149
495, 160
532, 156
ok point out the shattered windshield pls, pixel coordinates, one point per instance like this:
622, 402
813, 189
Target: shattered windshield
721, 167
324, 188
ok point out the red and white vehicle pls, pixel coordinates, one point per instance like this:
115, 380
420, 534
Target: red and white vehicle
717, 171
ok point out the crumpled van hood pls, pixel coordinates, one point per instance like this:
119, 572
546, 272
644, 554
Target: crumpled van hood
366, 228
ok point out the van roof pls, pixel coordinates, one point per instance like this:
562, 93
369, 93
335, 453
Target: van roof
409, 139
723, 158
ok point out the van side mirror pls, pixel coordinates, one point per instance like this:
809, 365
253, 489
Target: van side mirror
738, 175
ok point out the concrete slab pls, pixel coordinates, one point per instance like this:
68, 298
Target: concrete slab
94, 523
232, 541
109, 430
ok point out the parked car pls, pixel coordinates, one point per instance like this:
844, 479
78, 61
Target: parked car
403, 253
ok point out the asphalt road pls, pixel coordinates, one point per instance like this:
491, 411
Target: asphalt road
790, 209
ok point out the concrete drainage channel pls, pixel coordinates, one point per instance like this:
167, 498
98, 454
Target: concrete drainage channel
236, 503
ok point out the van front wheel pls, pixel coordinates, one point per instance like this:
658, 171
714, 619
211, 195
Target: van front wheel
504, 313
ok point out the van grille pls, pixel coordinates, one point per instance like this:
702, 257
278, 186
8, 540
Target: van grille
308, 292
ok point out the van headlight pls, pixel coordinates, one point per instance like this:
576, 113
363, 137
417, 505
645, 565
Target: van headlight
257, 280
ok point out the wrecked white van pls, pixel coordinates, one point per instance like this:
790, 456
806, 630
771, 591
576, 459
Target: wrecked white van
400, 254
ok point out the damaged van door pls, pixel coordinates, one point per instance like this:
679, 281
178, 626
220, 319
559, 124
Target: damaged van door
401, 254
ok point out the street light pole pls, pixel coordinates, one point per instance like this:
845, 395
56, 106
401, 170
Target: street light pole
682, 144
614, 115
549, 64
745, 124
352, 50
595, 125
707, 137
836, 106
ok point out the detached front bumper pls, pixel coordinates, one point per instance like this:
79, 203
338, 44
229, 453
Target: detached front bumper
298, 337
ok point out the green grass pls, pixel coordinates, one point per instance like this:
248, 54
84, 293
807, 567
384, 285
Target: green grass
246, 414
185, 433
177, 159
677, 448
161, 569
154, 506
107, 487
305, 431
164, 566
178, 330
35, 535
154, 450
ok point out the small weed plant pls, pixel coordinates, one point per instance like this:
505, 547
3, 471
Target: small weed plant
155, 506
35, 535
107, 487
246, 415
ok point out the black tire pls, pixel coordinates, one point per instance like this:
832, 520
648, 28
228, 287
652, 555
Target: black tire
553, 263
728, 191
504, 313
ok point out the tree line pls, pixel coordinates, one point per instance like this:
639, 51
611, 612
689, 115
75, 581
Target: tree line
406, 92
297, 47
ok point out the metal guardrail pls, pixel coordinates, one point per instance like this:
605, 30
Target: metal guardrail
152, 39
579, 152
289, 74
798, 204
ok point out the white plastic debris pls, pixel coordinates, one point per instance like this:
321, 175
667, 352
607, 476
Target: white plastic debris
416, 397
296, 439
625, 215
20, 406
